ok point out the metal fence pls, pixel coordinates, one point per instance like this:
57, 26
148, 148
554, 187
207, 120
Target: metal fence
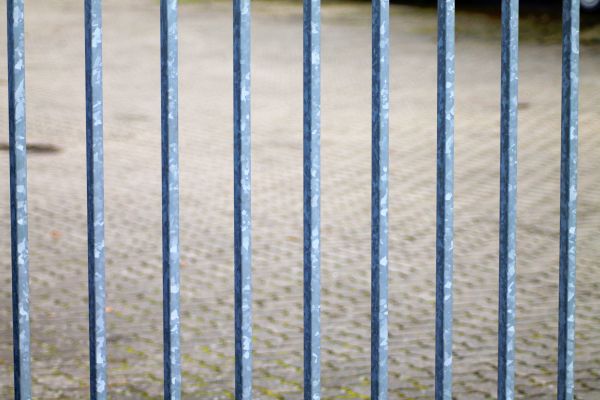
242, 191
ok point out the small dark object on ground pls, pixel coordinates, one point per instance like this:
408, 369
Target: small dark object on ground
37, 148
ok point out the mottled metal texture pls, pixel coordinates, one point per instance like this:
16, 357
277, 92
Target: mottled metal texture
568, 200
445, 201
508, 199
312, 199
18, 198
95, 197
379, 198
242, 188
170, 197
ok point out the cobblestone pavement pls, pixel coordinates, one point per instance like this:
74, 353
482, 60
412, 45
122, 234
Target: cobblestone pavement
55, 90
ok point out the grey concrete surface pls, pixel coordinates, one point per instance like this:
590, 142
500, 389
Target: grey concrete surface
55, 91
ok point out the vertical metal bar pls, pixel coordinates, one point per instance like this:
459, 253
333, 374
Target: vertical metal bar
445, 201
508, 199
170, 197
568, 199
242, 189
95, 197
379, 199
18, 198
312, 199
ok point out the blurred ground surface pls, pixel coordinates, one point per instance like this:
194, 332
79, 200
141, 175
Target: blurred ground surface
55, 90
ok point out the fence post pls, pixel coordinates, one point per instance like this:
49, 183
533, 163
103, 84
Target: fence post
379, 199
242, 209
170, 198
18, 198
445, 201
312, 199
95, 198
568, 200
508, 199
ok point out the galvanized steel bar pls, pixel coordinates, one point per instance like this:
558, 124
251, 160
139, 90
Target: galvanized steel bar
95, 197
508, 199
379, 199
242, 189
312, 199
170, 197
568, 200
18, 198
445, 201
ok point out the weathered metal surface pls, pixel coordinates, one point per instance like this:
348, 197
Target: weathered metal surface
568, 200
312, 199
379, 199
95, 197
445, 201
18, 198
170, 198
242, 191
508, 199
